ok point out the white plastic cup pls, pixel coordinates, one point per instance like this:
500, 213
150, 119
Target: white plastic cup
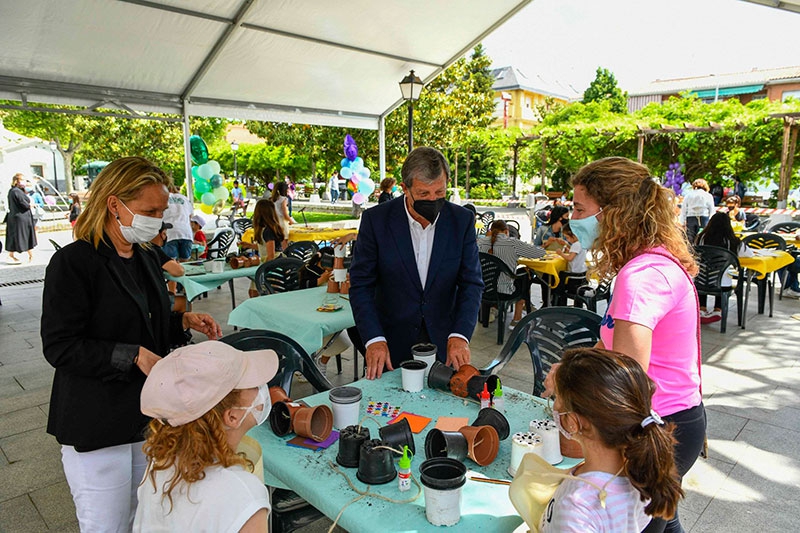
443, 479
346, 406
413, 375
551, 449
425, 352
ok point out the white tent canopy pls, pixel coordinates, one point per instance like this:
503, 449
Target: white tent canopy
325, 62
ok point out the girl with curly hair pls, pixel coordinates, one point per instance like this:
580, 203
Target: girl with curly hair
603, 402
627, 218
203, 398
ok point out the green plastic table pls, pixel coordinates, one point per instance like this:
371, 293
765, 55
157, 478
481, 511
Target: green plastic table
485, 507
294, 314
196, 280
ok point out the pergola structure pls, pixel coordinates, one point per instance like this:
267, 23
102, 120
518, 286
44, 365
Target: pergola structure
299, 61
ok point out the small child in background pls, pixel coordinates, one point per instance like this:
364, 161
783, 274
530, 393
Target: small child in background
575, 255
197, 222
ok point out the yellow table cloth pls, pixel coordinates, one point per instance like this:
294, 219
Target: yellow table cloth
770, 261
300, 233
550, 264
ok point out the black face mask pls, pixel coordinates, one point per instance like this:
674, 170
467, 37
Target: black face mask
428, 209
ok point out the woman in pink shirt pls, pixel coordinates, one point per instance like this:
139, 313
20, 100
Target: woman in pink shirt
627, 218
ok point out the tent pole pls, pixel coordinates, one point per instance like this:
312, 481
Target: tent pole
187, 154
382, 145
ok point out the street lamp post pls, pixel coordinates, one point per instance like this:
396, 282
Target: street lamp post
411, 86
235, 148
53, 148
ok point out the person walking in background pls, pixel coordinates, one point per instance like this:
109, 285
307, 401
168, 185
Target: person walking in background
74, 208
179, 235
697, 208
290, 192
333, 186
106, 321
738, 187
281, 202
37, 204
387, 185
237, 195
20, 230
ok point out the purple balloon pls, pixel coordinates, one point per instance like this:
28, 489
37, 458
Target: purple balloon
271, 186
350, 148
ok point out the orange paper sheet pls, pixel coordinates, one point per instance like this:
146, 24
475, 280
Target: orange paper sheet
416, 422
451, 423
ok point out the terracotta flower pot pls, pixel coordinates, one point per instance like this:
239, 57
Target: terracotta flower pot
458, 383
236, 262
570, 448
482, 443
277, 394
313, 422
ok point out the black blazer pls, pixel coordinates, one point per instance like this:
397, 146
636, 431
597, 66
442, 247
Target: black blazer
386, 295
94, 318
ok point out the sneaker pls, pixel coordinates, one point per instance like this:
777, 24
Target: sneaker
513, 324
300, 377
323, 367
710, 319
789, 293
715, 312
492, 315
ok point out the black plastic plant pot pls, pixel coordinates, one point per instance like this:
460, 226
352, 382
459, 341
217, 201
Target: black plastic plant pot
350, 441
439, 376
492, 417
280, 420
450, 444
398, 434
375, 464
443, 473
475, 386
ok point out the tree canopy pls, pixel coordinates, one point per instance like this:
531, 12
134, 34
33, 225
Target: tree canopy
604, 88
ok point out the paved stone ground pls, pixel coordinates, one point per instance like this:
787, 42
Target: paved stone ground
751, 390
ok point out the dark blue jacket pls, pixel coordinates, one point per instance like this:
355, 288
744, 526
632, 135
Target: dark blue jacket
386, 295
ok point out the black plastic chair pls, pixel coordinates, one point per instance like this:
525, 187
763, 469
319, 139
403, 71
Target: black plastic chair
240, 225
302, 250
218, 246
56, 246
513, 228
278, 275
289, 511
766, 241
487, 218
589, 295
491, 268
547, 333
784, 227
714, 263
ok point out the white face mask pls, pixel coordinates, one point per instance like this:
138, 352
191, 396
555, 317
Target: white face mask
142, 229
557, 420
260, 408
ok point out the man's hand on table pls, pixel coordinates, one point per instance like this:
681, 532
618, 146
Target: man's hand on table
457, 352
377, 357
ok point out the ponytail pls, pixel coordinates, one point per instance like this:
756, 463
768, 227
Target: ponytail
497, 227
650, 467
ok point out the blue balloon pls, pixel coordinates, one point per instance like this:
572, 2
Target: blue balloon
366, 186
346, 172
216, 181
345, 163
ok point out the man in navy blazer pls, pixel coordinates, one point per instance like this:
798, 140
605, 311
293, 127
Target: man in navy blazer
416, 276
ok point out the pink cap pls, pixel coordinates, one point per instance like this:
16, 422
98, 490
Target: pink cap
190, 381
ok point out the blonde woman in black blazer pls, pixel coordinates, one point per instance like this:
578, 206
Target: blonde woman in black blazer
106, 321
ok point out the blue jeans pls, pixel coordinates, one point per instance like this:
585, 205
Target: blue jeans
334, 195
790, 271
178, 249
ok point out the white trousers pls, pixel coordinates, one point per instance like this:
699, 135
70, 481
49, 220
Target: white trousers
103, 484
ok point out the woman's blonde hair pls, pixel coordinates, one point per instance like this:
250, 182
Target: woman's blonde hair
16, 179
638, 214
124, 178
191, 448
700, 183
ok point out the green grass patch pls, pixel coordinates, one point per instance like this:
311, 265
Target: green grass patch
313, 217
